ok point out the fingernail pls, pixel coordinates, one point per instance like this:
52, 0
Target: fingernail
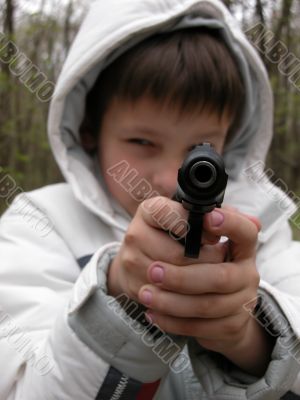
216, 218
157, 274
146, 296
149, 317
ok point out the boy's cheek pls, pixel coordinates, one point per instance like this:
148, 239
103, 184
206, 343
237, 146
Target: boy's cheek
119, 193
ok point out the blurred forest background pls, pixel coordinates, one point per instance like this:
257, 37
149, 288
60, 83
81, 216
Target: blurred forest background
43, 30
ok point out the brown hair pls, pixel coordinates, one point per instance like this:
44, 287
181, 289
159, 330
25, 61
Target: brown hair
190, 69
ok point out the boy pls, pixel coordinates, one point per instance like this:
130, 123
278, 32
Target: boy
136, 94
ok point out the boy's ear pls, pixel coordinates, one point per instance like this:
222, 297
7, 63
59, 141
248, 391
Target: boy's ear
87, 138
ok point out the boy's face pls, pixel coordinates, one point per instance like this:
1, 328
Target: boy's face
153, 141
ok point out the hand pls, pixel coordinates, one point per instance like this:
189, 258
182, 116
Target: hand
146, 241
205, 300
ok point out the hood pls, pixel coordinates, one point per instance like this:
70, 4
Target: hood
110, 28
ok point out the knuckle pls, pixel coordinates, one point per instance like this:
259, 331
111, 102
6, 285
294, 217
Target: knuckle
130, 261
207, 307
130, 239
223, 279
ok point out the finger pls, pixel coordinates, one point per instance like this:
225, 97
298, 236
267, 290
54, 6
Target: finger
222, 329
203, 306
255, 220
168, 215
133, 271
158, 245
161, 212
252, 218
241, 231
204, 278
164, 249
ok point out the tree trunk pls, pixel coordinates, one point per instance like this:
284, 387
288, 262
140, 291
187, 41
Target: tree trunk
284, 20
260, 15
6, 98
67, 26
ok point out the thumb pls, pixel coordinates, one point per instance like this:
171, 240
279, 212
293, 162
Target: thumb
241, 229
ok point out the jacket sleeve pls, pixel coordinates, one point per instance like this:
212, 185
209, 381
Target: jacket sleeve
61, 335
279, 314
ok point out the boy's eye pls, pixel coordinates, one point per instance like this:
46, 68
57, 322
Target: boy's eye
140, 141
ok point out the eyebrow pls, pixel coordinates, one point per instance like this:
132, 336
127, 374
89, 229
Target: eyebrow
142, 129
151, 131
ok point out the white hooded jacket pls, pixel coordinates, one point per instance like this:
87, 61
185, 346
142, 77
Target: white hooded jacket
61, 336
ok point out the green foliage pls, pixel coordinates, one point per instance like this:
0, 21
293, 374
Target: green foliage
4, 83
296, 229
23, 158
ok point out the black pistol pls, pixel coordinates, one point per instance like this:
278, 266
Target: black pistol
201, 185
